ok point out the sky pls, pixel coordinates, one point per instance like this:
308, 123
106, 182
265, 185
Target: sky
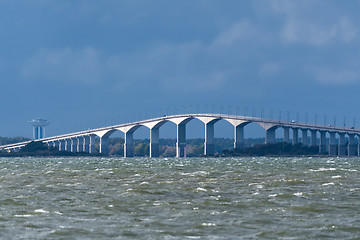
84, 64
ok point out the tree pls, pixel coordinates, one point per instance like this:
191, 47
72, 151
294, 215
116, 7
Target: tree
34, 147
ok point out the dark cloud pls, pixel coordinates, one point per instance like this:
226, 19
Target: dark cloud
94, 60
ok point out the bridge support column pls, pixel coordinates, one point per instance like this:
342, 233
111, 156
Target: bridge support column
313, 138
86, 144
80, 144
295, 136
104, 145
181, 141
129, 144
62, 144
92, 144
322, 148
209, 145
68, 144
352, 145
50, 144
154, 142
239, 136
286, 134
56, 145
332, 143
74, 144
270, 136
342, 145
304, 137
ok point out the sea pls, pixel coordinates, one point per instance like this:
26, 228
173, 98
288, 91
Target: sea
186, 198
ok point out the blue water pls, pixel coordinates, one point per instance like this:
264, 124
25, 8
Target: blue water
195, 198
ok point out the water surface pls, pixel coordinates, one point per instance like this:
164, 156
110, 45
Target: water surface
194, 198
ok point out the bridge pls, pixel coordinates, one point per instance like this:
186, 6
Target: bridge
334, 140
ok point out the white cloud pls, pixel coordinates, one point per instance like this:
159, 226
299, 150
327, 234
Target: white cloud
336, 77
301, 30
236, 32
65, 65
309, 22
269, 69
203, 82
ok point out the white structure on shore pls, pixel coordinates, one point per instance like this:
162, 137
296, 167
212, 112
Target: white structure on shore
39, 125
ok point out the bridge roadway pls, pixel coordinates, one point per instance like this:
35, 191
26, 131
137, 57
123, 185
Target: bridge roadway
84, 141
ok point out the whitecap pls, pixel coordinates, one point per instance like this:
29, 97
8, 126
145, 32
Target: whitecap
144, 183
327, 184
298, 194
208, 224
41, 211
337, 176
323, 169
24, 215
199, 189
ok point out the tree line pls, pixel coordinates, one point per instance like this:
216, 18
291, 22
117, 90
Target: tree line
167, 148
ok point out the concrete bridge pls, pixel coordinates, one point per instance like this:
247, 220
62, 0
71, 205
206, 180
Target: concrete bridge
334, 140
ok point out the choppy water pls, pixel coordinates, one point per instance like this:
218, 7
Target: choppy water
199, 198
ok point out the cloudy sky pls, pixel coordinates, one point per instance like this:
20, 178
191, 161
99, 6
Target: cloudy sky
83, 64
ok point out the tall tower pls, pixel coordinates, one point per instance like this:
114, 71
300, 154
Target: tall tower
39, 125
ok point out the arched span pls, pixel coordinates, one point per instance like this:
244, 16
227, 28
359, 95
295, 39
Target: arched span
130, 129
267, 125
180, 120
184, 120
237, 122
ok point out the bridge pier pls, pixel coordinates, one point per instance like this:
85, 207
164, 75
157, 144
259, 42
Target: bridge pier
62, 144
295, 136
304, 137
342, 145
80, 144
68, 145
332, 143
352, 145
56, 145
129, 144
209, 145
104, 145
73, 144
50, 144
313, 139
154, 142
270, 136
286, 134
181, 140
86, 144
322, 147
92, 144
238, 136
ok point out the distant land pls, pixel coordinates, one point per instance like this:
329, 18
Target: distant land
195, 148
